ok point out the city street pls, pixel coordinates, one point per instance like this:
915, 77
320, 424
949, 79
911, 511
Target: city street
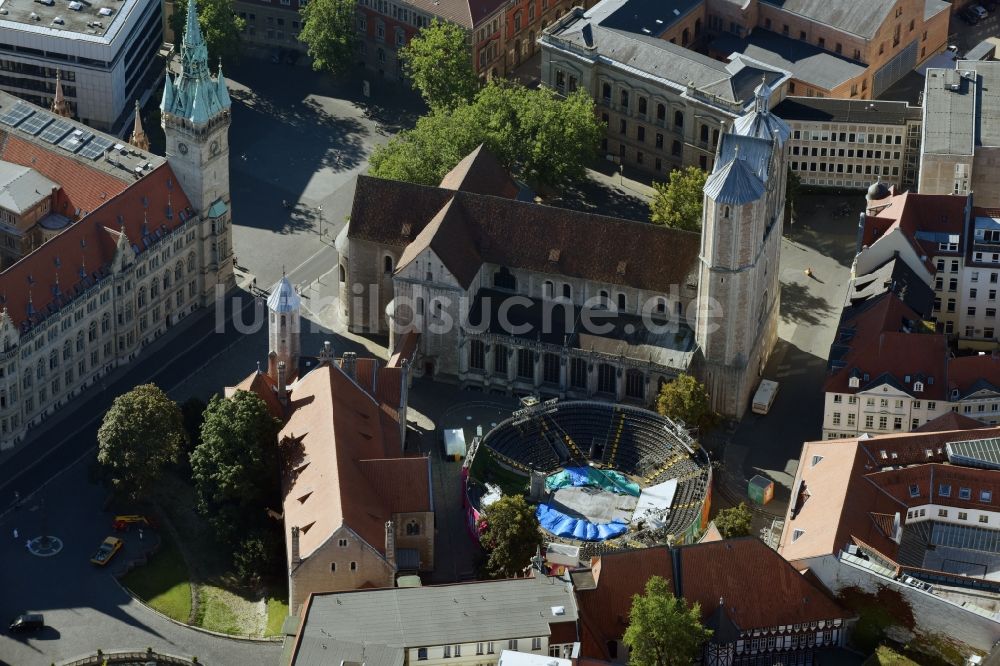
770, 445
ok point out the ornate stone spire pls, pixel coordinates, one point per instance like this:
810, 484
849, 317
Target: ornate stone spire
194, 95
138, 138
60, 106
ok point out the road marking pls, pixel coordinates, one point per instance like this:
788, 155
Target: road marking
86, 424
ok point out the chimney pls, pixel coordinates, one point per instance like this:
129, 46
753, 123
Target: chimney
349, 364
282, 389
272, 366
295, 545
390, 543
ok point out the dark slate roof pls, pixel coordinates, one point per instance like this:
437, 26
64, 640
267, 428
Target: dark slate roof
656, 16
734, 183
830, 109
806, 62
897, 277
857, 18
522, 235
733, 82
756, 152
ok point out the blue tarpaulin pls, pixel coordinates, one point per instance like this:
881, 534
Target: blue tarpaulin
560, 524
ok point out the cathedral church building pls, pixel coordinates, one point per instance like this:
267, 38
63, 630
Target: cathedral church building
514, 296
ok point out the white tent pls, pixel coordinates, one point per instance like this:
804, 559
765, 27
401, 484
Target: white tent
454, 443
654, 503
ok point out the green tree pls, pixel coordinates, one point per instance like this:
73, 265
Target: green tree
685, 399
141, 433
510, 534
220, 26
329, 33
663, 630
235, 467
542, 138
678, 203
439, 63
735, 521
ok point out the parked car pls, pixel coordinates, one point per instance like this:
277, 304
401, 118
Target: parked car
979, 11
27, 622
107, 550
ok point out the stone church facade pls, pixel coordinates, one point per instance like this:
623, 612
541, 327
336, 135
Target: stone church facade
508, 295
150, 249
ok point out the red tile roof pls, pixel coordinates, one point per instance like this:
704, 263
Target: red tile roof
89, 246
743, 572
740, 572
263, 386
482, 173
604, 609
949, 421
912, 212
870, 340
969, 373
349, 472
83, 187
848, 494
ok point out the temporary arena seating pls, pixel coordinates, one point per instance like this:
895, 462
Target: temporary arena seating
634, 441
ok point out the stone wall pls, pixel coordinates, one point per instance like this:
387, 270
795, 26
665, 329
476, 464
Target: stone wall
933, 615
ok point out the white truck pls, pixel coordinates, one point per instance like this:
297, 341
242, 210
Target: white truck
764, 396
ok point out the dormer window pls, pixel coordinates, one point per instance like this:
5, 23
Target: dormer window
964, 493
944, 490
918, 387
954, 394
914, 490
985, 496
853, 382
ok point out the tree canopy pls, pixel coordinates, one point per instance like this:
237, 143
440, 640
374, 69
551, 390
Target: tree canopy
678, 203
220, 26
235, 467
141, 433
510, 534
685, 399
438, 62
735, 521
329, 33
540, 137
663, 630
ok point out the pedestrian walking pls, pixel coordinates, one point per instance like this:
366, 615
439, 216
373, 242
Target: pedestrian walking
16, 535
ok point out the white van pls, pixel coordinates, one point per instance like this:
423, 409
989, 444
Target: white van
764, 396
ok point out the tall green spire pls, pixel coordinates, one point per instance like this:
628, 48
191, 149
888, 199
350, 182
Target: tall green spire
194, 95
194, 52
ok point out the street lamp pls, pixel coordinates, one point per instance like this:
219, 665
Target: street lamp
319, 216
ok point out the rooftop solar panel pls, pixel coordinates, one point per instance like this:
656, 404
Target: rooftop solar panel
96, 147
75, 140
16, 114
56, 131
984, 453
36, 123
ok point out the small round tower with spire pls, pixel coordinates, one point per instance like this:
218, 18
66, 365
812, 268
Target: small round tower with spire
284, 309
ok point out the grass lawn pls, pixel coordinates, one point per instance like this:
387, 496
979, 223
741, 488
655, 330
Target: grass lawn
223, 611
163, 582
277, 611
886, 656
